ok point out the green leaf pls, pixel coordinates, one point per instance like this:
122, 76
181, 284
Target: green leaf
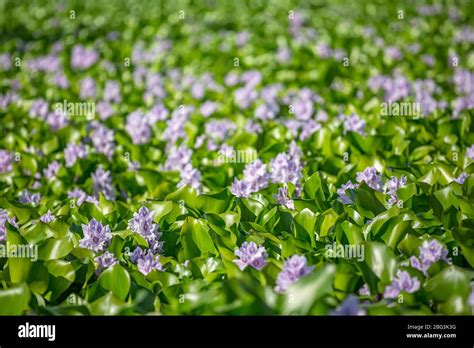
14, 300
451, 281
117, 280
19, 266
195, 239
53, 249
300, 297
381, 261
304, 225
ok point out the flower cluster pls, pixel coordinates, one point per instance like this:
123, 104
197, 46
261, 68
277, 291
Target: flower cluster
392, 186
402, 282
6, 160
255, 179
146, 261
293, 269
4, 218
138, 127
250, 254
103, 140
27, 197
287, 167
48, 217
104, 261
73, 152
341, 192
142, 223
371, 177
97, 237
283, 198
350, 306
102, 183
430, 252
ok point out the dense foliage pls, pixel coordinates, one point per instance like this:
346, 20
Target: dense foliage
236, 157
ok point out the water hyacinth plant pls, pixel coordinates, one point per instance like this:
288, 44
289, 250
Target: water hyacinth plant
171, 148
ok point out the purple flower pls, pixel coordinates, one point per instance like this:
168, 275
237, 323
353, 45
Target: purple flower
208, 108
105, 110
138, 127
471, 298
283, 55
175, 126
240, 188
251, 78
138, 253
5, 61
371, 177
470, 152
394, 53
105, 261
350, 306
430, 252
57, 120
7, 99
242, 38
250, 254
112, 92
142, 223
219, 129
6, 160
293, 269
157, 113
26, 197
282, 197
178, 158
309, 128
60, 80
355, 124
231, 79
48, 63
266, 111
39, 109
96, 236
428, 60
77, 194
52, 170
345, 199
191, 177
253, 127
198, 90
461, 178
148, 263
364, 290
88, 88
4, 218
392, 186
102, 183
103, 140
82, 58
245, 96
48, 217
256, 176
73, 152
402, 282
284, 169
303, 109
